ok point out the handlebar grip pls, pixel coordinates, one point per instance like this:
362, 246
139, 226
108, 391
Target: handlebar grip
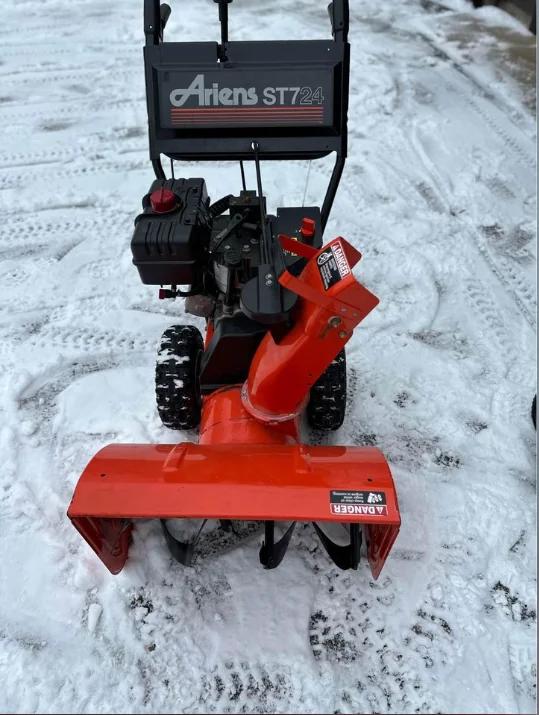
164, 12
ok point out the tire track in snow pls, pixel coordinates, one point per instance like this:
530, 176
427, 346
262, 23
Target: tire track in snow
523, 670
37, 71
487, 93
11, 111
99, 167
516, 285
81, 76
89, 341
391, 672
16, 229
509, 275
488, 312
36, 158
512, 398
247, 687
39, 397
93, 57
71, 342
512, 143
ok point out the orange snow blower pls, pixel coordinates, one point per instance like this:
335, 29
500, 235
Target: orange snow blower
278, 304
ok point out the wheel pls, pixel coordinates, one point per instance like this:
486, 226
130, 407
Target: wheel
177, 387
327, 403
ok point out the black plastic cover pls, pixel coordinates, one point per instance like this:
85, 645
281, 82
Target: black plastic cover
170, 248
227, 358
288, 96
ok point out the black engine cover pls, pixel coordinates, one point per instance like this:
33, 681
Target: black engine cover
227, 358
170, 248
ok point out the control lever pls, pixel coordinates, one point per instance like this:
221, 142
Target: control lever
234, 222
262, 298
164, 13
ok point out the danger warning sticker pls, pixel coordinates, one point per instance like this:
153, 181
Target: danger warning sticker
332, 265
343, 503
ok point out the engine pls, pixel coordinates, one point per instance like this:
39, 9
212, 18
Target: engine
222, 253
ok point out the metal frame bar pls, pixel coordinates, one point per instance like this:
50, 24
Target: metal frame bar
152, 21
332, 190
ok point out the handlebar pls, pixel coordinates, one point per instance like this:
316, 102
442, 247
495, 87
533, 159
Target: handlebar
156, 17
339, 16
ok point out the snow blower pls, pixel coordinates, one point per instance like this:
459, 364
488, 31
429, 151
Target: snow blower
279, 306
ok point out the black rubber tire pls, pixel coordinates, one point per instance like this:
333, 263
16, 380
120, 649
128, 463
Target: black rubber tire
327, 403
177, 387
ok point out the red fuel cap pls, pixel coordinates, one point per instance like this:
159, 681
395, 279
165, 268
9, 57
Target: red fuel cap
308, 228
163, 201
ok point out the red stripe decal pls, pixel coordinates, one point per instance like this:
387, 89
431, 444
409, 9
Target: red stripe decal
247, 109
243, 120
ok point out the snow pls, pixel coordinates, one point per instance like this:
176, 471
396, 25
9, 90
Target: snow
94, 614
439, 195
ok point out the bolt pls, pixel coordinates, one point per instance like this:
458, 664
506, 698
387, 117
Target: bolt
268, 276
269, 282
254, 241
246, 248
342, 334
227, 247
334, 321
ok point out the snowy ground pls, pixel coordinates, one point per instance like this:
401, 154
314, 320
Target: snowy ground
439, 194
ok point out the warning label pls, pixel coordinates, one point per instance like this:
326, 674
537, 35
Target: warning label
332, 265
343, 503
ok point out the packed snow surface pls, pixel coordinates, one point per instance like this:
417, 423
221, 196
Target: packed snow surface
439, 195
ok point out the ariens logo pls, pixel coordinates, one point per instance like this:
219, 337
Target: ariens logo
214, 96
310, 99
